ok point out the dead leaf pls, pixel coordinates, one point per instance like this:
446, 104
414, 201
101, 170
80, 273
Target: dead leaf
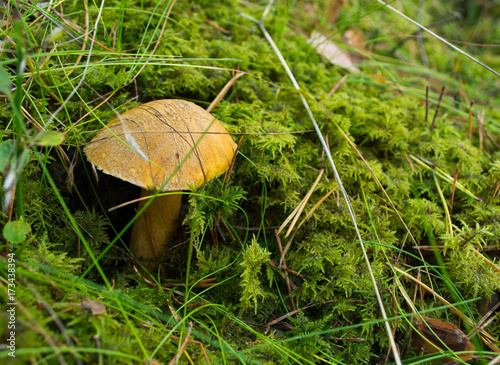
332, 9
436, 335
331, 52
355, 38
94, 306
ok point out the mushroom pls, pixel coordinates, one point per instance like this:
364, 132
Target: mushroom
171, 145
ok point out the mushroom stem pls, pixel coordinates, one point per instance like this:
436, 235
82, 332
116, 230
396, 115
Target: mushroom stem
154, 229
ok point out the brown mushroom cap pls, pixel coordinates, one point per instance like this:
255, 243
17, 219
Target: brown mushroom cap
165, 131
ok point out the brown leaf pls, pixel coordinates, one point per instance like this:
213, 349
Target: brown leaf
441, 335
94, 306
355, 38
332, 9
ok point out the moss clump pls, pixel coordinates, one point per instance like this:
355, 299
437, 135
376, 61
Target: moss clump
253, 259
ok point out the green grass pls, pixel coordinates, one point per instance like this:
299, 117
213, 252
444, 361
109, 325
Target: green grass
398, 176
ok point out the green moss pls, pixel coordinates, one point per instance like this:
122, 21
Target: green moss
253, 259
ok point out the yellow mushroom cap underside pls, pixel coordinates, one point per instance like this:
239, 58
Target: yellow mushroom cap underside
148, 143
